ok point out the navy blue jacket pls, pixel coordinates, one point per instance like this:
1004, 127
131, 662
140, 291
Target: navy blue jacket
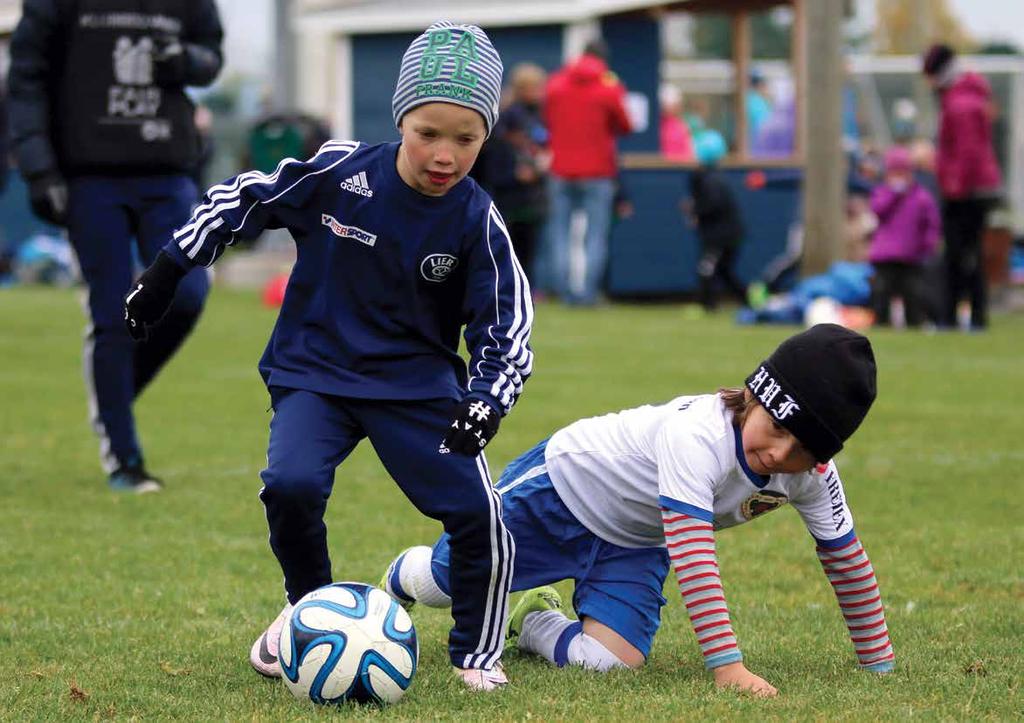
385, 278
89, 95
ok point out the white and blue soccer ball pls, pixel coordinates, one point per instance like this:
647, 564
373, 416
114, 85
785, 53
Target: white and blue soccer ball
348, 641
823, 310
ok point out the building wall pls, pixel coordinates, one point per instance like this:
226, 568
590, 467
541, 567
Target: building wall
654, 252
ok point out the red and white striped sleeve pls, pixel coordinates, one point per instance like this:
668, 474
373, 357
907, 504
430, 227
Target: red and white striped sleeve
691, 548
853, 579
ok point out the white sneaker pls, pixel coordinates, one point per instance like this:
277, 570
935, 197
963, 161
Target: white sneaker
263, 656
483, 680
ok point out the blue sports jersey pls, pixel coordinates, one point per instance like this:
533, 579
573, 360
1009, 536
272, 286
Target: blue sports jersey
384, 281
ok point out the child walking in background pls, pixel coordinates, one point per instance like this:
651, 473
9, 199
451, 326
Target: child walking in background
906, 238
397, 250
614, 502
712, 209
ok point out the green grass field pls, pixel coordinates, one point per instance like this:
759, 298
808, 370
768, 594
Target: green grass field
144, 608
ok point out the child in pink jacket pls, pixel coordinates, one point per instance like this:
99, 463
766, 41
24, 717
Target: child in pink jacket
906, 237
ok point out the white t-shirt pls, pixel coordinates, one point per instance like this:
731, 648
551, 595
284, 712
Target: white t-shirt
617, 471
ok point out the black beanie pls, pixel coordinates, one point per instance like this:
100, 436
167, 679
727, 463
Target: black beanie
819, 384
936, 58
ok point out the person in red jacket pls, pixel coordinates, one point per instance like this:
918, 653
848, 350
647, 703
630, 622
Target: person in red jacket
968, 176
584, 112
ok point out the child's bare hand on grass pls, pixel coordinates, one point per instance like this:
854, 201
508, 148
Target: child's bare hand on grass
736, 675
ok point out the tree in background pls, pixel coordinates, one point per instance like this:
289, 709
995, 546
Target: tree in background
906, 28
999, 47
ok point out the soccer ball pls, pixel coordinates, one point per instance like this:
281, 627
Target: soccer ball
823, 310
348, 642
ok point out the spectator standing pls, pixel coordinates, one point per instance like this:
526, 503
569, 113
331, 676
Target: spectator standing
584, 112
759, 107
776, 134
968, 176
674, 137
713, 210
906, 237
864, 173
105, 137
514, 162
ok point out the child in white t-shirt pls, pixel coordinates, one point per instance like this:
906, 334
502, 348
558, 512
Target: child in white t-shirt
614, 502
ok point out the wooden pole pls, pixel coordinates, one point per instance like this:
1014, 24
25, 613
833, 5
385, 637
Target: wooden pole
741, 50
824, 188
923, 37
284, 77
798, 63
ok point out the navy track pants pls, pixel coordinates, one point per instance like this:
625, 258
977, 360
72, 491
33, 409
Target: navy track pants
311, 434
105, 216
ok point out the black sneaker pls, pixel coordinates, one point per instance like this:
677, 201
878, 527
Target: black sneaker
134, 479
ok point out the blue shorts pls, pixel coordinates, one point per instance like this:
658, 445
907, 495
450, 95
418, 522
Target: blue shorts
618, 586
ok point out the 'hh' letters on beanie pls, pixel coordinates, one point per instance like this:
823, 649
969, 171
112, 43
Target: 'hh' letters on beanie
450, 63
819, 384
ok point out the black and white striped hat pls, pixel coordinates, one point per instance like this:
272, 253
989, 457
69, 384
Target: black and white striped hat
450, 63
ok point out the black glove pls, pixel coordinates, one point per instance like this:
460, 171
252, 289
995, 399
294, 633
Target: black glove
151, 296
473, 425
48, 196
168, 61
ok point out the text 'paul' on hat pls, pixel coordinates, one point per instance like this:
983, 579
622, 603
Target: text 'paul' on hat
450, 63
819, 384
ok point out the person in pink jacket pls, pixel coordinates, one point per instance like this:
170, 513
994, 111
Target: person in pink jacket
674, 139
906, 237
968, 175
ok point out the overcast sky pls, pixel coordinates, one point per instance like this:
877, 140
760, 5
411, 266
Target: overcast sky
248, 35
992, 19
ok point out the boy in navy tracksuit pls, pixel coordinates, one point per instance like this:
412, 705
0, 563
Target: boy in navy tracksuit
397, 250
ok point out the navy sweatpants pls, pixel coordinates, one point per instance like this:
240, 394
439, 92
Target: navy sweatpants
106, 217
311, 434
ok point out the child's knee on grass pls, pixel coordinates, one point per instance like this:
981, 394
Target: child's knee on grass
617, 645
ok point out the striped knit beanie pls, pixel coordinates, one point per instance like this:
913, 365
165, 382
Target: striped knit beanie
450, 63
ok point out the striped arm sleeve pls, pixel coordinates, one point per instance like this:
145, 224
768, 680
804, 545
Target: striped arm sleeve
853, 579
247, 204
500, 311
691, 550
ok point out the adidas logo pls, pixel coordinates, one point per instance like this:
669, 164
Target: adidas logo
358, 184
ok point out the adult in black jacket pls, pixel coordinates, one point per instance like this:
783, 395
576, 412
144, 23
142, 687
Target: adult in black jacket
104, 135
